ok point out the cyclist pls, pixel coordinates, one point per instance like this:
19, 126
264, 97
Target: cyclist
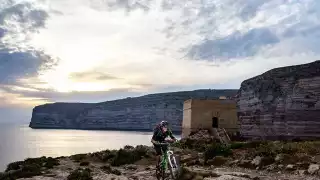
160, 133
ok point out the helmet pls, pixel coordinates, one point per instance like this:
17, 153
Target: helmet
164, 123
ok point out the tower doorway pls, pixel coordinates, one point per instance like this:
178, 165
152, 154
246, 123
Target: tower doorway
215, 122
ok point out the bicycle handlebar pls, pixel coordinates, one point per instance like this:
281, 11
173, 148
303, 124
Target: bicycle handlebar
164, 144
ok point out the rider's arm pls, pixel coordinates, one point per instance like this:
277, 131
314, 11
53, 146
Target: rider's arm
153, 139
171, 135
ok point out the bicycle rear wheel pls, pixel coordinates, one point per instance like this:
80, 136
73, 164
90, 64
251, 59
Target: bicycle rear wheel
158, 173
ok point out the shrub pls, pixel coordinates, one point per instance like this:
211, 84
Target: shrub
84, 163
125, 156
116, 172
104, 156
128, 147
237, 145
108, 169
29, 167
80, 174
216, 150
51, 162
14, 166
267, 149
78, 157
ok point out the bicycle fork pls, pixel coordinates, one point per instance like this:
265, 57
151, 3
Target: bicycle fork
170, 158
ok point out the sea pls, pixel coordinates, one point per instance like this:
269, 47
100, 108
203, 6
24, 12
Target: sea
18, 142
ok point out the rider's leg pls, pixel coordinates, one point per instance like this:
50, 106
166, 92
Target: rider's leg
158, 154
158, 159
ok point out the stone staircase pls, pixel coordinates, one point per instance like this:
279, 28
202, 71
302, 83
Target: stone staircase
222, 135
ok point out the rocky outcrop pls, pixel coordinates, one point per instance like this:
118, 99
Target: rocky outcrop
139, 113
281, 103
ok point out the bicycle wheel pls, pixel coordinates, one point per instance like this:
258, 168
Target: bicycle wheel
160, 171
163, 173
175, 168
158, 174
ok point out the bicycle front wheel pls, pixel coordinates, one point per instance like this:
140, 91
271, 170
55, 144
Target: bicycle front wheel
174, 167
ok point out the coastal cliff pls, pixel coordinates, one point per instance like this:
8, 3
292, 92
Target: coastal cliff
281, 103
136, 113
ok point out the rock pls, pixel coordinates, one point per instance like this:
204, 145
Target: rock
231, 163
132, 167
84, 163
313, 168
301, 172
316, 159
201, 162
303, 165
285, 159
290, 167
256, 161
198, 177
271, 167
188, 173
282, 103
245, 164
116, 172
217, 161
303, 158
192, 162
265, 161
226, 177
240, 174
278, 158
137, 113
186, 158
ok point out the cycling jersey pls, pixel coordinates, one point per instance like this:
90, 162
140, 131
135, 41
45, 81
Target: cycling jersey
160, 136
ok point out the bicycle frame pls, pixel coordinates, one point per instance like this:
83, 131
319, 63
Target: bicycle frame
169, 154
168, 158
164, 160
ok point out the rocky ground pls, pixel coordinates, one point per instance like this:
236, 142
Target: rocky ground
201, 157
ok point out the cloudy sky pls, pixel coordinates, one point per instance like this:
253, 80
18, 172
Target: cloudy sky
96, 50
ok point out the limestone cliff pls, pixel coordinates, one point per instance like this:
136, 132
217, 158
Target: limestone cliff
281, 103
138, 113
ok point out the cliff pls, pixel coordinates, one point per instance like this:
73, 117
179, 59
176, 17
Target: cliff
281, 103
138, 113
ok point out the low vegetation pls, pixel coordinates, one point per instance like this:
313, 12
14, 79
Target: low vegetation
80, 174
198, 149
28, 168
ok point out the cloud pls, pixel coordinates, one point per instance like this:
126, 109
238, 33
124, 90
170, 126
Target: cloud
236, 45
98, 48
91, 75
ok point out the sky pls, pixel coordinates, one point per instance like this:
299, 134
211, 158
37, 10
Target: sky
97, 50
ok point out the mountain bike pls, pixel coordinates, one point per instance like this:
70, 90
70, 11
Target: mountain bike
167, 158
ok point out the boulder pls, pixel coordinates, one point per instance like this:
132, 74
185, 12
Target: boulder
217, 161
256, 161
226, 177
187, 158
245, 164
285, 159
290, 167
313, 168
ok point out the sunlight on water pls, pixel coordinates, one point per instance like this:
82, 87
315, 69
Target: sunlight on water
19, 142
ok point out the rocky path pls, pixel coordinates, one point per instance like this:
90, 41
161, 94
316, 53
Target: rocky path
147, 172
201, 157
